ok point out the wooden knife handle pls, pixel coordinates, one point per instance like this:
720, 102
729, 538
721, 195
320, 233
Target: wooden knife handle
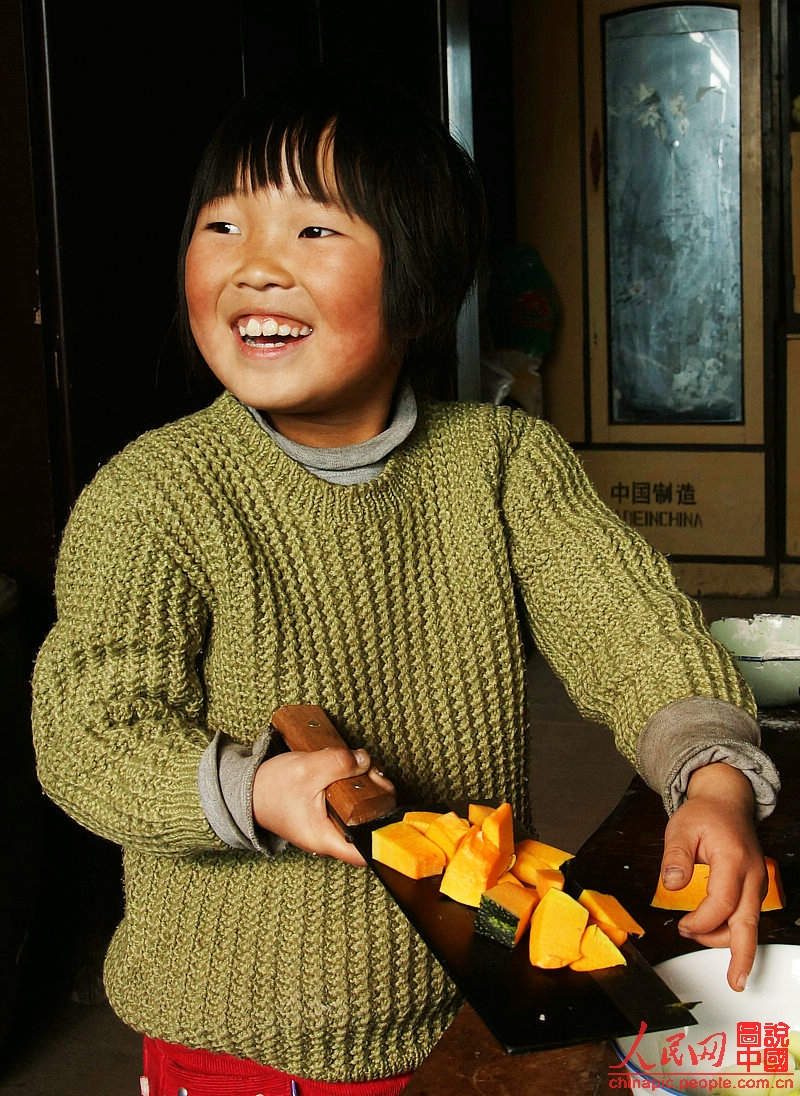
355, 799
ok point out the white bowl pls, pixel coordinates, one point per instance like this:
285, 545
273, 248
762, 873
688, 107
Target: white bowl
772, 995
767, 651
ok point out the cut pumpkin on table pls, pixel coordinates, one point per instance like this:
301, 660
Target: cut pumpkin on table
557, 927
597, 951
446, 831
402, 847
515, 886
690, 896
505, 911
421, 820
475, 867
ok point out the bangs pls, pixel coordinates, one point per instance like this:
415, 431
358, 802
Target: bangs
299, 152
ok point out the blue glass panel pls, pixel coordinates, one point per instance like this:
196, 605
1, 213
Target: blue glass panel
674, 215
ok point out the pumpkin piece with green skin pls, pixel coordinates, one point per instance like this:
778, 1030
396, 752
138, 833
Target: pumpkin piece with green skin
476, 866
504, 912
402, 847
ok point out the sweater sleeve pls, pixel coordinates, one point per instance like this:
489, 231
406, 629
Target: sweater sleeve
118, 706
602, 604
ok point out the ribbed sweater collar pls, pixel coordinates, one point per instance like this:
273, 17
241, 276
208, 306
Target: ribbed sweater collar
306, 492
351, 464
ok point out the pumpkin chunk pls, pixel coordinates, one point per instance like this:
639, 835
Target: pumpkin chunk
690, 896
526, 866
552, 856
476, 866
421, 820
597, 951
609, 913
617, 936
504, 912
557, 927
545, 878
509, 877
498, 827
447, 831
402, 847
477, 812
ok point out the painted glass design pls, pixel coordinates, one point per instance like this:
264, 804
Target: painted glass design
674, 215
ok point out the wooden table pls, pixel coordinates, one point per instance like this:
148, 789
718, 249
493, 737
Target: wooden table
626, 853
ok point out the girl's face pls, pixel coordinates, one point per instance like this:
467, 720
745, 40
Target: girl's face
284, 295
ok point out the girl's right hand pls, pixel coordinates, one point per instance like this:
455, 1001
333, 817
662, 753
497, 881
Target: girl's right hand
289, 798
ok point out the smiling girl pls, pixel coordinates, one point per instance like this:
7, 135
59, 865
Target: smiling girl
324, 534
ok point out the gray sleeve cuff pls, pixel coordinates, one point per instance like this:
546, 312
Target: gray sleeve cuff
688, 734
225, 782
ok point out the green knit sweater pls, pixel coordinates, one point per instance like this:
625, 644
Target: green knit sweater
205, 579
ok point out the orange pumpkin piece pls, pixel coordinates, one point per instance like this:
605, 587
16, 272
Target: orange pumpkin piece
545, 878
509, 877
526, 866
402, 847
557, 927
476, 866
617, 936
597, 951
498, 827
421, 820
690, 896
477, 812
447, 831
552, 856
504, 912
609, 913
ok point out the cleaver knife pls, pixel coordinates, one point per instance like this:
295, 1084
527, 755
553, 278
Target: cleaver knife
525, 1008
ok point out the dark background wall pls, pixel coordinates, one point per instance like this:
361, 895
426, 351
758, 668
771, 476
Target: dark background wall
105, 109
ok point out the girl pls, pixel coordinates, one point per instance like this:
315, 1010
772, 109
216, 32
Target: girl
322, 534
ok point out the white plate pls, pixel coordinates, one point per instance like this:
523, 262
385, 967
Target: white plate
772, 995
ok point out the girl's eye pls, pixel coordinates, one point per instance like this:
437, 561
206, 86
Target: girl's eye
225, 228
314, 232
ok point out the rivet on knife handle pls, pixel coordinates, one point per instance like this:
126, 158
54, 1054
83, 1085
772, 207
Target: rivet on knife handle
355, 799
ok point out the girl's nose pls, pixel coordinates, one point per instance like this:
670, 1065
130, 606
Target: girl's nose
262, 267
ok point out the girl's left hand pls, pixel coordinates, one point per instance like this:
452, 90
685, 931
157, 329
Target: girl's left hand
715, 826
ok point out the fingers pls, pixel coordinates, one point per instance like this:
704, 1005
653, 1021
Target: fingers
289, 798
729, 917
677, 865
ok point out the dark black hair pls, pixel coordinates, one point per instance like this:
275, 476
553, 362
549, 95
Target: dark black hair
395, 166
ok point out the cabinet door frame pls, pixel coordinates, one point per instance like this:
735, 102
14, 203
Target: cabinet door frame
602, 431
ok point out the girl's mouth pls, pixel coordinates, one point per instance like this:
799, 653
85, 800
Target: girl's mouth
270, 333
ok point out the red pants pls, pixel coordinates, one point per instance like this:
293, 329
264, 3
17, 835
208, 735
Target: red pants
172, 1070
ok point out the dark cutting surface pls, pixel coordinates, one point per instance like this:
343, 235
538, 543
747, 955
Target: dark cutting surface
527, 1008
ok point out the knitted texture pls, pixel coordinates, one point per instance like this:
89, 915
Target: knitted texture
206, 579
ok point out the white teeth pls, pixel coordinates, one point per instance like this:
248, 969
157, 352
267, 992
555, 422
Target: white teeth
254, 328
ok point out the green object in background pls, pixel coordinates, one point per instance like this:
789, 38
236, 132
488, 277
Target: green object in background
522, 306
